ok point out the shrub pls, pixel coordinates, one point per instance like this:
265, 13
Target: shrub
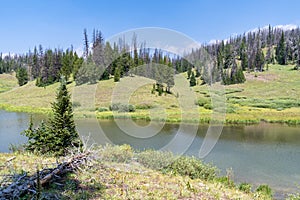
208, 106
294, 196
122, 107
264, 189
231, 109
123, 153
76, 104
202, 101
156, 160
224, 180
102, 109
245, 187
192, 167
144, 106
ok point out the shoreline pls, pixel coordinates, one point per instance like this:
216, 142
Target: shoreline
230, 119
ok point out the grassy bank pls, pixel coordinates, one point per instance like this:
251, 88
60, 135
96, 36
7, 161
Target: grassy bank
118, 172
271, 96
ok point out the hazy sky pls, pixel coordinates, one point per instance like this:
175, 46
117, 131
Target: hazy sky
60, 23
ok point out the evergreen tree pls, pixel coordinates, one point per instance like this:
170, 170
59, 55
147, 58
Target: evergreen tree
240, 76
117, 75
22, 76
281, 51
35, 64
67, 64
228, 56
77, 65
189, 72
193, 81
259, 60
243, 54
60, 135
87, 73
62, 125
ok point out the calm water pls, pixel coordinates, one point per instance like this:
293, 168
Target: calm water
258, 154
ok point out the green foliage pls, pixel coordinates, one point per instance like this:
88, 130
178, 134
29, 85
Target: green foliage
60, 134
278, 104
265, 190
160, 89
281, 51
235, 76
156, 160
22, 76
189, 72
102, 109
122, 107
117, 75
192, 167
123, 153
193, 81
144, 106
225, 181
39, 139
87, 73
67, 64
243, 54
245, 187
203, 101
294, 196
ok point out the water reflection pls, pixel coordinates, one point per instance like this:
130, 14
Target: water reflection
263, 153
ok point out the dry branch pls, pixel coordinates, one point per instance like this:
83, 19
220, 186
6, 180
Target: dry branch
24, 184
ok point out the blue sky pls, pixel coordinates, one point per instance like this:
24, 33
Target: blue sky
60, 23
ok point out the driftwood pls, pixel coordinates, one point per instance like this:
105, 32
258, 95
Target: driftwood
24, 184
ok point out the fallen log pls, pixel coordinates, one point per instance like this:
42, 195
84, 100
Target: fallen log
23, 184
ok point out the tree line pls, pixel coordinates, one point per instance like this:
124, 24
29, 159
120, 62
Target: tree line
252, 51
224, 61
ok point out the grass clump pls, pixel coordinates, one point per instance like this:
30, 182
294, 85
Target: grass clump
193, 168
265, 190
294, 196
203, 101
156, 160
102, 109
144, 106
123, 153
122, 107
245, 187
225, 180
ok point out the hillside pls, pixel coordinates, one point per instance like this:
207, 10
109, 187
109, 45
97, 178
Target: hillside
271, 96
120, 173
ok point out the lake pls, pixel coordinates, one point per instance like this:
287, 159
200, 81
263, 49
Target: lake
258, 154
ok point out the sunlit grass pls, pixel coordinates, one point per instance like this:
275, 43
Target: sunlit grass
272, 96
7, 82
119, 172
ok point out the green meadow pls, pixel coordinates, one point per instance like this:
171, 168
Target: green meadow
270, 96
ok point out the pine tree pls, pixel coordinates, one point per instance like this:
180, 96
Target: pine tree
193, 80
22, 76
281, 51
67, 64
189, 72
60, 135
117, 75
228, 56
243, 54
62, 125
259, 60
